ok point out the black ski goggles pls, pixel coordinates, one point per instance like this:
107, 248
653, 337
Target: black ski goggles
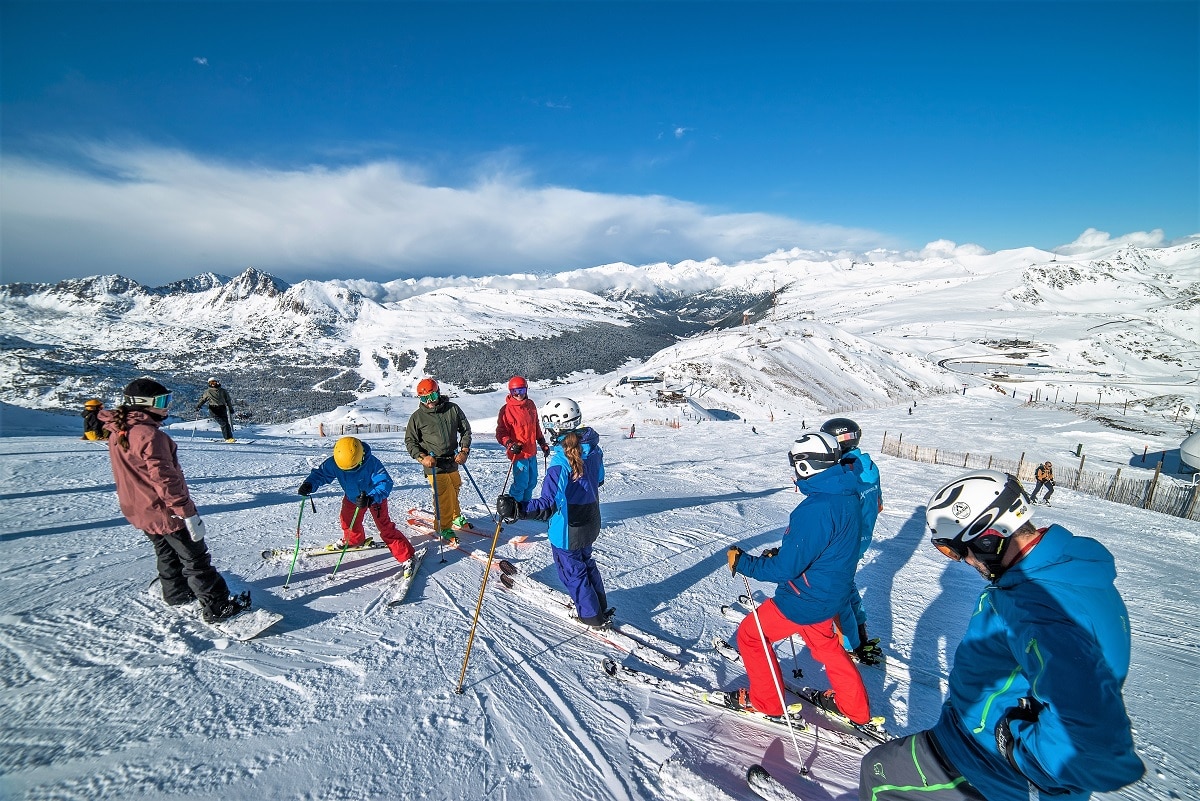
986, 546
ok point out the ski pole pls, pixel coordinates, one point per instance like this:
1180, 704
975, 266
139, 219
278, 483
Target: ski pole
296, 553
476, 486
345, 542
768, 652
487, 571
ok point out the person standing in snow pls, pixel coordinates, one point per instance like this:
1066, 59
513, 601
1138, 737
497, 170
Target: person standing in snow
570, 502
814, 569
1045, 478
439, 437
367, 485
1035, 704
220, 407
93, 429
154, 498
518, 431
853, 619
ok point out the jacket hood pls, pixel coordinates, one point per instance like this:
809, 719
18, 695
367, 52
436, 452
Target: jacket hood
1080, 561
837, 480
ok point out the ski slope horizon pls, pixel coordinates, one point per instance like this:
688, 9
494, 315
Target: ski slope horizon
109, 695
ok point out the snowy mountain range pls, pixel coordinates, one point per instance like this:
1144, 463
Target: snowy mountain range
1112, 324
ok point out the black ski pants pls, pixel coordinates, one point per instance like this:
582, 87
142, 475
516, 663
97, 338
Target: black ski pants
185, 571
912, 768
221, 415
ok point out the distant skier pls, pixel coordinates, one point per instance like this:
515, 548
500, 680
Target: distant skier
570, 501
632, 429
853, 619
93, 429
1034, 706
813, 569
154, 497
367, 485
1045, 478
439, 435
220, 407
518, 431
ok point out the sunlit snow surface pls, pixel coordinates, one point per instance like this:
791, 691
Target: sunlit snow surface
108, 695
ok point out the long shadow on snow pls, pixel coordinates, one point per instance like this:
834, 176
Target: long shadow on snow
617, 511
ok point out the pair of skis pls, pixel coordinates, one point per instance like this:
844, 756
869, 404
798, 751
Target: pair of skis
645, 646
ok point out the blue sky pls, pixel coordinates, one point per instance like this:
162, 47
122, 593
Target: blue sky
385, 140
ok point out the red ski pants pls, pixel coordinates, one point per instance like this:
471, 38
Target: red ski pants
826, 648
397, 543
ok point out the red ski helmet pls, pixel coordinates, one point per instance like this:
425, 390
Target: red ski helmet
517, 382
426, 386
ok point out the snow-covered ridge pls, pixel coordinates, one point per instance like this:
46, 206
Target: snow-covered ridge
830, 330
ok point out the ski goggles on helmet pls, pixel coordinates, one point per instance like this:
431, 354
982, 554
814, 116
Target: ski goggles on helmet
519, 392
430, 397
153, 401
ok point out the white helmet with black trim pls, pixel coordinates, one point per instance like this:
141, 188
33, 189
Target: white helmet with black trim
560, 415
978, 512
813, 452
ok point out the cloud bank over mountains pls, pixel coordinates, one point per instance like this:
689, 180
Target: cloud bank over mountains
156, 215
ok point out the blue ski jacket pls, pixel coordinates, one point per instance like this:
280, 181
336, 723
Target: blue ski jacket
370, 477
814, 569
571, 505
870, 493
1052, 628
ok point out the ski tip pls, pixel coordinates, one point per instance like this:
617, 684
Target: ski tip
610, 666
507, 567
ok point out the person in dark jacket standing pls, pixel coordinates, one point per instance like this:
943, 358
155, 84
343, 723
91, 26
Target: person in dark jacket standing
518, 431
93, 428
154, 497
1034, 706
439, 436
220, 407
814, 570
570, 502
367, 485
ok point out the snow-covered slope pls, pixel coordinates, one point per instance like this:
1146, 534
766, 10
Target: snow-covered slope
108, 695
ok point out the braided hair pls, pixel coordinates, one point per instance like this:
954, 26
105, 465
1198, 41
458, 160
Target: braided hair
573, 449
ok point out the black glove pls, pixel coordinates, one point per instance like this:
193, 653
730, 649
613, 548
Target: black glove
506, 508
733, 555
770, 553
364, 500
1026, 709
305, 489
545, 450
514, 447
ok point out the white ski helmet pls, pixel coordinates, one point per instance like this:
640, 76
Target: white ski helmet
978, 511
814, 452
560, 415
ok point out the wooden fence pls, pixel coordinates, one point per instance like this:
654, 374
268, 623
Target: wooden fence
1158, 494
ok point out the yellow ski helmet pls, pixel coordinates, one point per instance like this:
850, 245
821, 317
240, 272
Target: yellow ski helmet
94, 403
348, 453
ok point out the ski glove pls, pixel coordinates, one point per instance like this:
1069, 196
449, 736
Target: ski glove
514, 448
305, 489
364, 500
770, 553
1026, 709
195, 527
461, 456
546, 450
733, 555
506, 508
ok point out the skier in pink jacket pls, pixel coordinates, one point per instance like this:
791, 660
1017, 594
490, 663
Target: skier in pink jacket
154, 498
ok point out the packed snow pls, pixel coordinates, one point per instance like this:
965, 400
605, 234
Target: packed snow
107, 694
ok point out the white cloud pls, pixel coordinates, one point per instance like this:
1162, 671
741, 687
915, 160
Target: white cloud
1092, 239
680, 132
201, 60
158, 215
